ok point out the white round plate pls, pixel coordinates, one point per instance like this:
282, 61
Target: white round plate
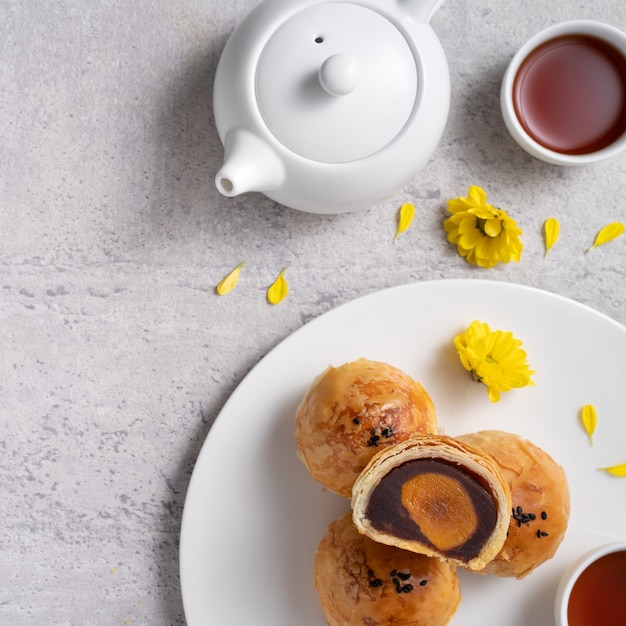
253, 516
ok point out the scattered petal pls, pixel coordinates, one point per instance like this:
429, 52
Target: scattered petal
552, 229
608, 233
616, 470
483, 234
494, 358
589, 419
229, 281
279, 289
405, 218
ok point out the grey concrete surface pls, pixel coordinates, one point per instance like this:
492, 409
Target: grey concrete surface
117, 355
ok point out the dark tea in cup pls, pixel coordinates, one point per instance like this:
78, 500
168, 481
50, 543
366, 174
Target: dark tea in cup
569, 94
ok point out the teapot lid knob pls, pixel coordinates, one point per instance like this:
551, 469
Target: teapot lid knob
340, 74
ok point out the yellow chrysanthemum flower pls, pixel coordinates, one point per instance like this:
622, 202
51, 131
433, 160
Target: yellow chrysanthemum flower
495, 358
483, 234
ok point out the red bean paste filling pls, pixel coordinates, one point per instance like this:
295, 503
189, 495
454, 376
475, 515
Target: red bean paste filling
387, 514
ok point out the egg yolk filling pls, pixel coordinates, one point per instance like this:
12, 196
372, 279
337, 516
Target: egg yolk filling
436, 503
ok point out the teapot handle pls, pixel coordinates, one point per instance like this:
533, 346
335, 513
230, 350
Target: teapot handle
421, 10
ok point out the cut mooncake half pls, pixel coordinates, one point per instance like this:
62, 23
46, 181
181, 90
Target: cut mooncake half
437, 496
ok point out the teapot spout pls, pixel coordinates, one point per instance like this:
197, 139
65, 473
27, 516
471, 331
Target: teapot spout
249, 165
421, 10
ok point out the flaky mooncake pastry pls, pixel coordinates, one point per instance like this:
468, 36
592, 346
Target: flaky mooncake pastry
351, 412
362, 582
437, 496
540, 508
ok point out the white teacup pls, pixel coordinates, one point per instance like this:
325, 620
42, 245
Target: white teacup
583, 589
563, 96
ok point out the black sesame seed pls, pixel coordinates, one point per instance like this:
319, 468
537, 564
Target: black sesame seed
356, 420
393, 572
423, 583
544, 515
370, 572
407, 588
538, 534
396, 581
373, 441
532, 516
520, 510
404, 575
377, 582
544, 534
373, 431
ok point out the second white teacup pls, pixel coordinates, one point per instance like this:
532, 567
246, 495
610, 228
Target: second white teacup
592, 592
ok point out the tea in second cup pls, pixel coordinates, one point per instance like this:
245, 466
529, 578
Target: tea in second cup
563, 96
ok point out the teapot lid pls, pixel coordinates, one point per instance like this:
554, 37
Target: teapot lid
336, 82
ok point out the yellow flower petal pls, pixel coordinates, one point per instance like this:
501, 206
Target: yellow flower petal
469, 238
551, 229
477, 195
492, 227
405, 218
484, 212
229, 281
279, 289
589, 419
607, 233
616, 470
458, 205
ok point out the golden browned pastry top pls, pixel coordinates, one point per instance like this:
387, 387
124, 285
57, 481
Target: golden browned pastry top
436, 496
352, 411
540, 499
361, 582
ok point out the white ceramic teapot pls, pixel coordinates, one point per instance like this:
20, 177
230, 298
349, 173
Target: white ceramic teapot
329, 107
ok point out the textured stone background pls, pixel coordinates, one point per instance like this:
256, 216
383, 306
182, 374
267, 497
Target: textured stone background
116, 353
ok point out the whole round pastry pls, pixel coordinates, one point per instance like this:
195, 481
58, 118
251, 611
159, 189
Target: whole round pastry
351, 412
362, 582
540, 501
434, 495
